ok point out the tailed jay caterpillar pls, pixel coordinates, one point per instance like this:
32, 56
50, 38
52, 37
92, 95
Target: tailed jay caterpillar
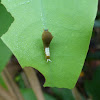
46, 38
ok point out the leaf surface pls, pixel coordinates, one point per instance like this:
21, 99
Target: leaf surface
69, 21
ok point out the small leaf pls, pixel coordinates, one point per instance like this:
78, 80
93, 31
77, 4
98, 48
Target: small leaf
69, 21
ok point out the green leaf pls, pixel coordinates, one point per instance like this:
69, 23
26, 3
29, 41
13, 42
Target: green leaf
5, 22
5, 55
48, 97
69, 21
63, 94
93, 86
29, 95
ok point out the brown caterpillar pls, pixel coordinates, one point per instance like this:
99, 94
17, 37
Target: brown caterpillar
47, 38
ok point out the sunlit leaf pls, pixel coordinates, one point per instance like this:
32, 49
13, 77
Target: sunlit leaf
69, 21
